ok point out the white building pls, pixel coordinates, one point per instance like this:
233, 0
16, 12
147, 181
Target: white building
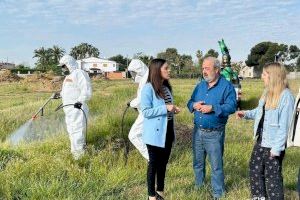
97, 65
249, 72
6, 65
293, 75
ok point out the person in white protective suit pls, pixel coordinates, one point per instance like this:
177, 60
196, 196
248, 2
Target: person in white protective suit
294, 131
76, 90
139, 71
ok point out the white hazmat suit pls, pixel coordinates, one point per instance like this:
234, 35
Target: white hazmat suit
76, 88
294, 131
140, 70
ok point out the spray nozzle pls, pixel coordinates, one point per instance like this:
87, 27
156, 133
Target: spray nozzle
56, 95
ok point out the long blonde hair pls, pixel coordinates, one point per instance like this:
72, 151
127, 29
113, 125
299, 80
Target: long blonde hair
277, 83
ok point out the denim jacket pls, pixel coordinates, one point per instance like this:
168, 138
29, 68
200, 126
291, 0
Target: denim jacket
276, 122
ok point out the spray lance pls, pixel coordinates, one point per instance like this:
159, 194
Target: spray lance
41, 110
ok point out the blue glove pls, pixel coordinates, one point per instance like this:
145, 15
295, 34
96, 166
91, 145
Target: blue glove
78, 105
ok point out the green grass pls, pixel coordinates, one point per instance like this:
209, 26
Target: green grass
46, 170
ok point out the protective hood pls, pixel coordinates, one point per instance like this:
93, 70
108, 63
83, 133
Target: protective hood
69, 61
137, 69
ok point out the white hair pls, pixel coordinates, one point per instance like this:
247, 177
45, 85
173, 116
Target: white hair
215, 60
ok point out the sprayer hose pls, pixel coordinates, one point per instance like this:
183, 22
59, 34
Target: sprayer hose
126, 142
85, 117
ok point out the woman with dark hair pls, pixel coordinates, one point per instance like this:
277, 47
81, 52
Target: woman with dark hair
158, 134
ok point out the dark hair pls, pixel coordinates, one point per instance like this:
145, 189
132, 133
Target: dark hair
155, 78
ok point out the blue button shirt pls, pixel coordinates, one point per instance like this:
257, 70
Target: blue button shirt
221, 96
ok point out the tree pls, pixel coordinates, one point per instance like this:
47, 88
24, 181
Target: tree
294, 52
212, 53
22, 66
47, 59
121, 60
297, 66
84, 50
43, 57
56, 53
144, 58
200, 58
293, 58
186, 63
172, 57
265, 52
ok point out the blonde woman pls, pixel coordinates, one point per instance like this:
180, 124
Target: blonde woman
272, 118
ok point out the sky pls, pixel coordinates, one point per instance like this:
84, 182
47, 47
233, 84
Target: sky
148, 26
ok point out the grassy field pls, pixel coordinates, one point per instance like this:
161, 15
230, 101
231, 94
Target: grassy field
46, 170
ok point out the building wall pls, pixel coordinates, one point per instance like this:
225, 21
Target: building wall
105, 67
115, 75
7, 66
249, 72
293, 75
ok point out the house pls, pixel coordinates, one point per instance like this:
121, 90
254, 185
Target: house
97, 65
5, 65
249, 72
293, 75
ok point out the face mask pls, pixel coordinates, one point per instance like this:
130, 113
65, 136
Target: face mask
133, 75
65, 71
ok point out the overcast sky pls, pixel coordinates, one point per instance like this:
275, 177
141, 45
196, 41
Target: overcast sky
127, 27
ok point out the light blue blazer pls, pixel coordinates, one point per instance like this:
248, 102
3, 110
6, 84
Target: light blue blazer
155, 122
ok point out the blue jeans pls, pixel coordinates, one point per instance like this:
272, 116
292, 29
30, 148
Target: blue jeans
211, 144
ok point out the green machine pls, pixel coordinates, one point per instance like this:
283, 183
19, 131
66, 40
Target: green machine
226, 69
228, 73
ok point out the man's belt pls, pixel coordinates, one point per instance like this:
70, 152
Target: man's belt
210, 129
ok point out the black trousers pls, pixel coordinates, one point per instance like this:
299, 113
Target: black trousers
158, 160
265, 174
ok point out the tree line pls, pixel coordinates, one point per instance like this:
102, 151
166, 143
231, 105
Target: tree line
265, 52
261, 53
